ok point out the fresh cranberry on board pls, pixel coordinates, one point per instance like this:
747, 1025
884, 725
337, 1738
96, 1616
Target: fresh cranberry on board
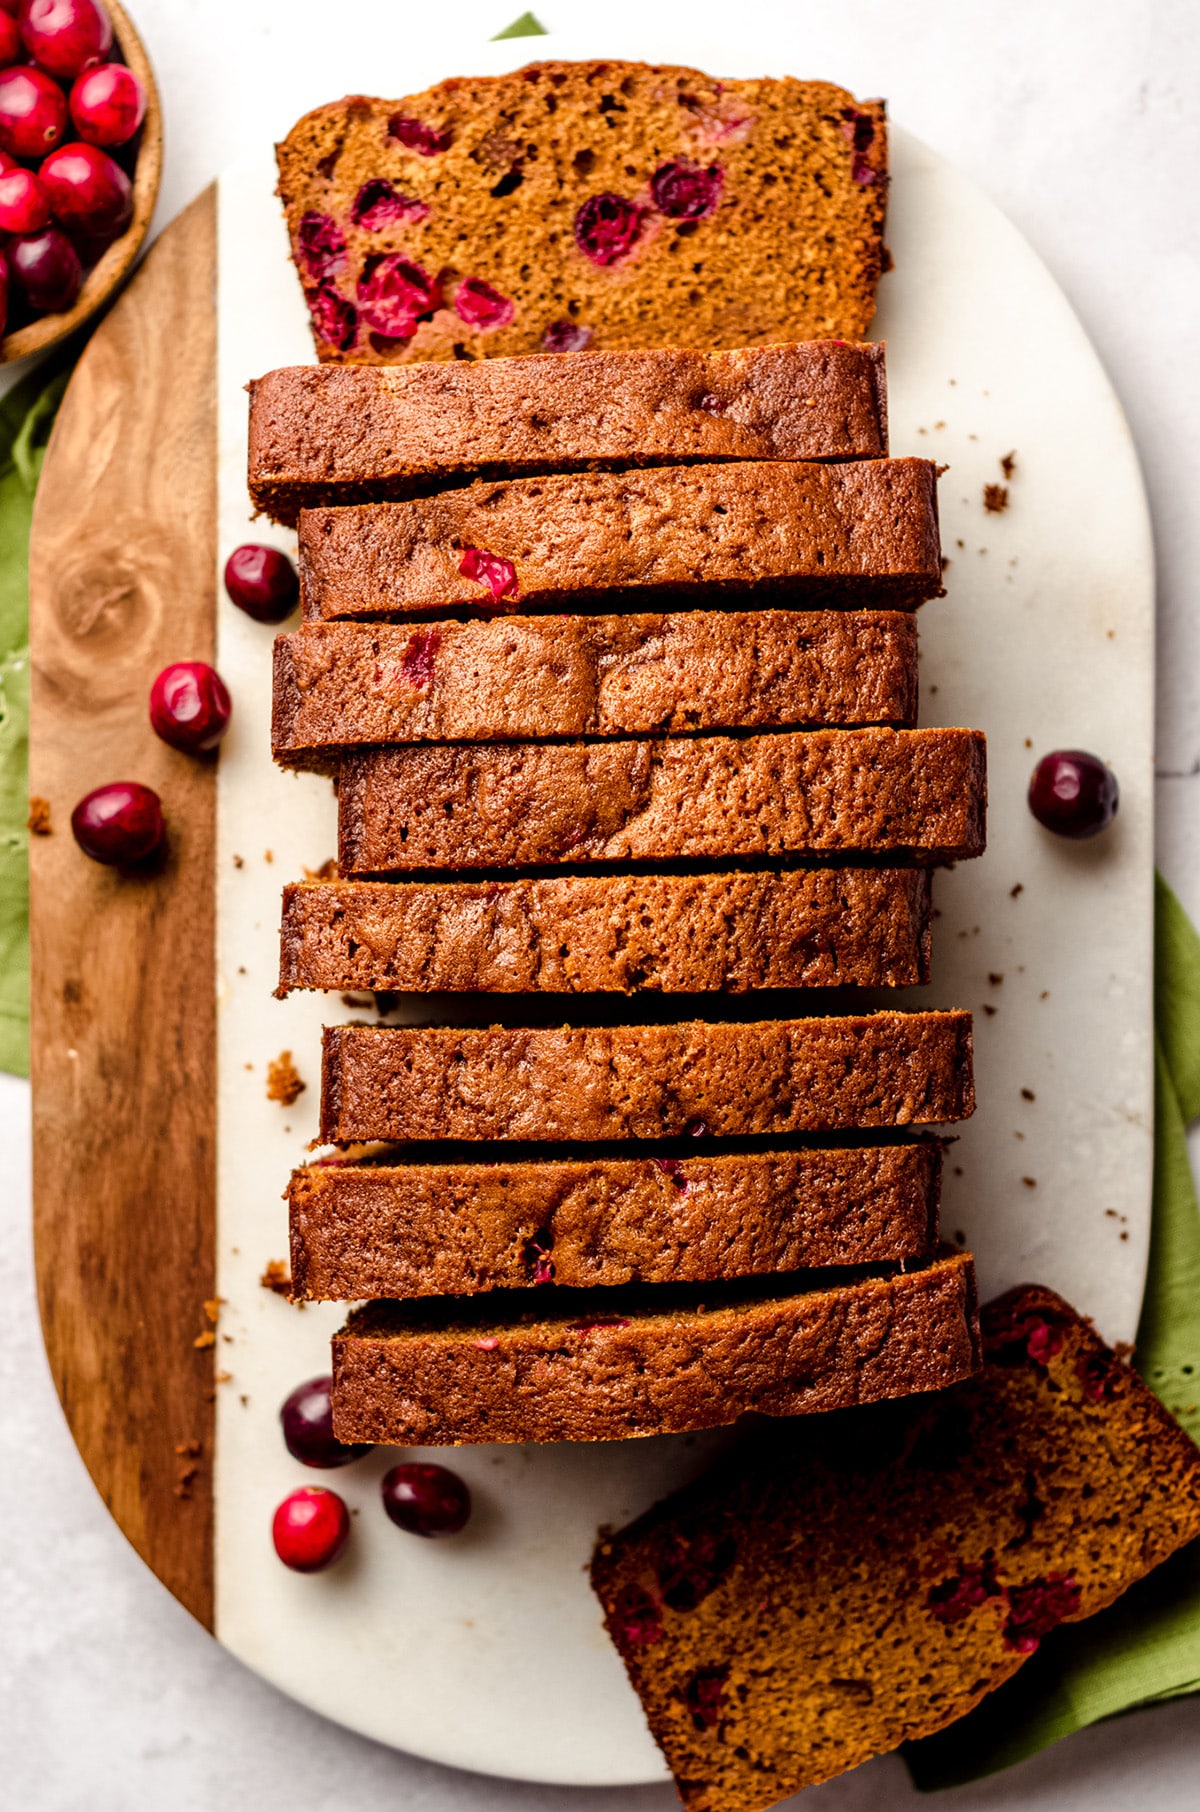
120, 823
190, 706
310, 1529
108, 105
33, 113
307, 1418
425, 1499
45, 267
65, 36
262, 582
1073, 794
89, 192
24, 207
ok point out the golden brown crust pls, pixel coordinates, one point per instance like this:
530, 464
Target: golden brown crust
455, 1229
359, 434
605, 1365
861, 533
337, 685
806, 928
654, 1081
910, 795
491, 183
826, 1597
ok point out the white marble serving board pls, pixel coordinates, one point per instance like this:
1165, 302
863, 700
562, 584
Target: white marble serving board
487, 1651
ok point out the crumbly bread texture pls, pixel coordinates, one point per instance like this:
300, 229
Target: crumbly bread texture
864, 532
603, 1365
338, 685
909, 795
353, 434
399, 1230
841, 1589
578, 934
646, 1082
586, 204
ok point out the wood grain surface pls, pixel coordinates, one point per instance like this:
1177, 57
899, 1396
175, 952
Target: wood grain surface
122, 581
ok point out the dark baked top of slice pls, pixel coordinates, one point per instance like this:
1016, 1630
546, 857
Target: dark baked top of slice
358, 434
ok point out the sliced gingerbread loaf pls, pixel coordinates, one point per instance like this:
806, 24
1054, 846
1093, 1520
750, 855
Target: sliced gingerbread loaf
578, 934
355, 434
861, 533
603, 1365
909, 795
841, 1589
341, 685
454, 1229
645, 1082
586, 204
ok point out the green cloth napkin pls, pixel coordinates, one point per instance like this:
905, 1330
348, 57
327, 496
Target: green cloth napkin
1146, 1648
524, 27
26, 415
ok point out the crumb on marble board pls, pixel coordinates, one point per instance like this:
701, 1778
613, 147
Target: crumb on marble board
283, 1080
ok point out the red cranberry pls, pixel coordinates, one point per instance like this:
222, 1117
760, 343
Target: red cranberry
89, 192
379, 204
684, 191
262, 582
66, 36
334, 319
417, 661
606, 227
955, 1598
23, 204
426, 1500
637, 1617
108, 105
566, 336
119, 823
481, 306
393, 292
320, 245
492, 570
310, 1529
1039, 1607
10, 40
46, 268
1073, 793
33, 113
416, 136
189, 706
702, 1695
307, 1418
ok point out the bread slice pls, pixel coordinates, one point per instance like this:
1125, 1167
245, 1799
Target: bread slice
398, 1230
840, 1589
602, 1365
861, 533
340, 685
355, 434
578, 934
593, 203
645, 1082
907, 795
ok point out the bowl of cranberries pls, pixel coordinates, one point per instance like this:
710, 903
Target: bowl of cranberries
80, 160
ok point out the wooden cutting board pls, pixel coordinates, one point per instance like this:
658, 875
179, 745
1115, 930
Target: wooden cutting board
122, 581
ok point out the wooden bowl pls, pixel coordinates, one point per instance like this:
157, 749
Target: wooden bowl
108, 274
